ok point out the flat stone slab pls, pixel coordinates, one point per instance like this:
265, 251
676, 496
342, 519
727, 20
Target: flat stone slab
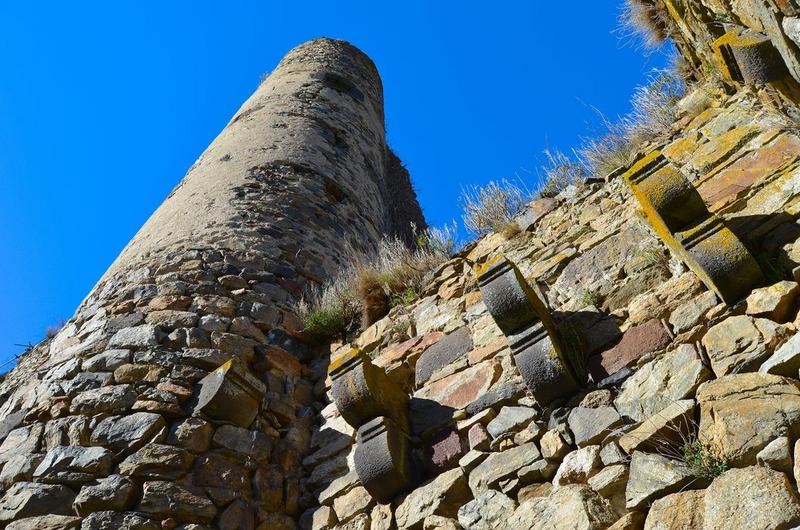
653, 476
442, 353
590, 425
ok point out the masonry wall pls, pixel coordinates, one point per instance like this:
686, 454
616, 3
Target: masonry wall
103, 426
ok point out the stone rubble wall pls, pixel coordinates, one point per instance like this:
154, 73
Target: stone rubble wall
116, 422
665, 355
181, 396
695, 25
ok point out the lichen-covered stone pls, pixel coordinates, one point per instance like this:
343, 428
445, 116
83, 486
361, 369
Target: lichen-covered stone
774, 302
590, 426
115, 492
500, 466
157, 462
753, 497
777, 455
653, 476
29, 499
128, 433
786, 359
73, 465
46, 522
671, 377
443, 496
669, 425
167, 499
575, 506
741, 414
111, 399
578, 466
487, 511
740, 344
678, 511
510, 419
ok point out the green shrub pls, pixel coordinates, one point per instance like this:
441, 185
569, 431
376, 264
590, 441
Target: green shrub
702, 462
590, 297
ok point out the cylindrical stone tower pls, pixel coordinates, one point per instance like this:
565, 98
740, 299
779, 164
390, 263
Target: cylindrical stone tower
178, 396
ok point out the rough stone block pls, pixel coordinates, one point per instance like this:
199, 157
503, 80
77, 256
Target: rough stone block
363, 391
746, 56
230, 393
383, 459
444, 451
443, 353
28, 499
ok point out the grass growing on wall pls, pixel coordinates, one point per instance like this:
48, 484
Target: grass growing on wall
370, 286
492, 208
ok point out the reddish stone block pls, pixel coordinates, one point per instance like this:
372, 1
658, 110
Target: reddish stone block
277, 359
637, 341
408, 350
725, 187
445, 450
478, 437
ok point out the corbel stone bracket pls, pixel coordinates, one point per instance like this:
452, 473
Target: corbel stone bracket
383, 459
746, 56
363, 391
680, 218
230, 393
377, 408
522, 315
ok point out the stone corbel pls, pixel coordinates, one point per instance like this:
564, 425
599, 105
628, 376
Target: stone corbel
363, 391
383, 459
746, 56
680, 218
522, 315
377, 408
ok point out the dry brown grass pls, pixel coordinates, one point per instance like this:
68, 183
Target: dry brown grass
560, 171
643, 23
364, 291
654, 109
492, 208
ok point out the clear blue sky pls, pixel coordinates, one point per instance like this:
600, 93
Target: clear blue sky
104, 106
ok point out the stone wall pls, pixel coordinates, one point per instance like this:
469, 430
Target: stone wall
177, 396
662, 354
181, 396
687, 413
765, 36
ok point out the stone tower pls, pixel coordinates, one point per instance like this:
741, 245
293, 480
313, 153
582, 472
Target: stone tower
177, 396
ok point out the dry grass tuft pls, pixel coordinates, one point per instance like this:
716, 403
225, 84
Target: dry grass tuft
644, 23
492, 208
652, 116
560, 171
370, 286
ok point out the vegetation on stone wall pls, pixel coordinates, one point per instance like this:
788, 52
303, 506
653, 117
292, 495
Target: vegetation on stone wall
645, 22
370, 286
654, 107
560, 171
492, 208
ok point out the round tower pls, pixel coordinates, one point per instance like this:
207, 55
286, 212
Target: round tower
178, 393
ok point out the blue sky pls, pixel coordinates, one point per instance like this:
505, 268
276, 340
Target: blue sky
105, 105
